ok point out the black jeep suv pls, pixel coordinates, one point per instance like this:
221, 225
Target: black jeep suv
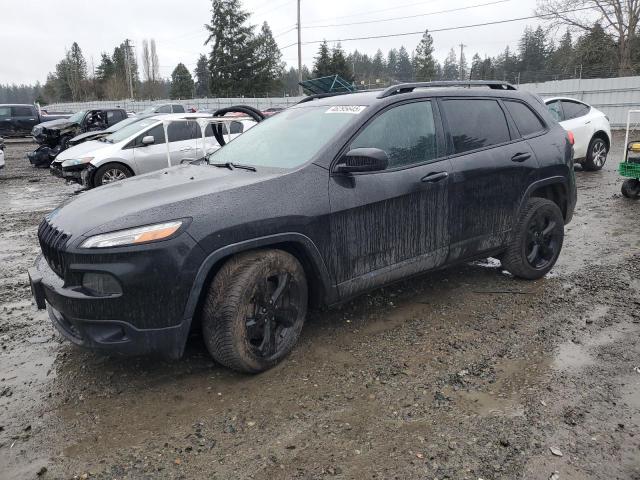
325, 200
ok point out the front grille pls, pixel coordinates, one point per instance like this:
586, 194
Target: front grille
52, 242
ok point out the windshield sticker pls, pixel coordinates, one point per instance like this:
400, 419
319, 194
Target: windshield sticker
353, 109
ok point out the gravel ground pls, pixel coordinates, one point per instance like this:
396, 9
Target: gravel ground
461, 374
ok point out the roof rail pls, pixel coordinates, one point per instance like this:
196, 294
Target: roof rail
410, 87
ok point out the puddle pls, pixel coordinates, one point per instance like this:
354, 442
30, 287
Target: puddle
492, 405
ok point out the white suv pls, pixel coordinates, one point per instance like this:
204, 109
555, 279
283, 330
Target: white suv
590, 128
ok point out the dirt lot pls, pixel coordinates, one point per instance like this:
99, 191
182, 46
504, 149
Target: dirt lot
461, 374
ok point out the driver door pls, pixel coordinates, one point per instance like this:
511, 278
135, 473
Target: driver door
149, 158
394, 223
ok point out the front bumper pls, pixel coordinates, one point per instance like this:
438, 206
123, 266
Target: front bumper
147, 316
73, 174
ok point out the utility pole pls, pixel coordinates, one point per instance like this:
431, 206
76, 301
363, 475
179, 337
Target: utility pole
300, 92
462, 75
127, 65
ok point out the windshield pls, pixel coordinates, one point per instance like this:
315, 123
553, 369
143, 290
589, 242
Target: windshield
286, 140
121, 124
131, 129
78, 116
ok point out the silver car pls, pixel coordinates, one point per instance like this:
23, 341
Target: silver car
145, 146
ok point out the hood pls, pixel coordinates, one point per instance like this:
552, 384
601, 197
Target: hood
92, 147
83, 137
59, 124
155, 197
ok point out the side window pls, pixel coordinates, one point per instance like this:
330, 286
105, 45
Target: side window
5, 112
236, 127
526, 120
574, 109
112, 117
475, 123
407, 133
556, 110
164, 109
178, 108
21, 112
208, 131
179, 131
156, 132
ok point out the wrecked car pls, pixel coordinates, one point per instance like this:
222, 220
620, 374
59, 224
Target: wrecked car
98, 134
324, 201
54, 136
17, 120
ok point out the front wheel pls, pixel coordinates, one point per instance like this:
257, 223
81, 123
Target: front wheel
536, 240
255, 310
112, 172
631, 188
596, 155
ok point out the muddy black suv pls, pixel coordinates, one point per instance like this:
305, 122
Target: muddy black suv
328, 199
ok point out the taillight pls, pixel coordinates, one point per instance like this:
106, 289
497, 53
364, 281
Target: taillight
572, 139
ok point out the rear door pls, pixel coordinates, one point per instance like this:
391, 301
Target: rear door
183, 140
23, 119
390, 224
149, 158
6, 127
577, 121
489, 174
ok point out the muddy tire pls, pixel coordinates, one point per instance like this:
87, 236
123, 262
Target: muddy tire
596, 155
536, 240
254, 310
631, 189
109, 173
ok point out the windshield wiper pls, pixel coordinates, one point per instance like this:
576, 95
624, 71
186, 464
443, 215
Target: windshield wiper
232, 166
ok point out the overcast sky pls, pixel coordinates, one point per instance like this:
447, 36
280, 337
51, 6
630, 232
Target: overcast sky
35, 33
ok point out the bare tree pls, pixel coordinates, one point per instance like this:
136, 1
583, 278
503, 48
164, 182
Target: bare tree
619, 18
146, 61
155, 66
150, 68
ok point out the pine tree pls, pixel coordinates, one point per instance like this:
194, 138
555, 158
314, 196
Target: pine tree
405, 68
267, 63
561, 61
232, 49
476, 68
322, 66
181, 83
450, 69
424, 64
339, 65
202, 77
392, 64
378, 66
596, 54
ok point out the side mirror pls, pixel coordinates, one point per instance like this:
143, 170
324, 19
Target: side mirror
363, 160
148, 140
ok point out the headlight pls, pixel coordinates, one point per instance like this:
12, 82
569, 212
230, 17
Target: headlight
76, 161
133, 236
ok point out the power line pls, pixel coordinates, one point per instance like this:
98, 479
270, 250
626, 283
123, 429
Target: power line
436, 30
374, 11
410, 16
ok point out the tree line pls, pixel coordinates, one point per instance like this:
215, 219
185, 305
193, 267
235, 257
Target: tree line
244, 60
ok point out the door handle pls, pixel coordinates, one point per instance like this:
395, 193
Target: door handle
587, 122
186, 149
435, 177
521, 157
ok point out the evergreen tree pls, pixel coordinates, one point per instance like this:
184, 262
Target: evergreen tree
476, 68
202, 77
322, 66
378, 66
561, 61
181, 83
450, 69
392, 64
532, 55
405, 68
424, 65
232, 49
595, 54
339, 65
268, 65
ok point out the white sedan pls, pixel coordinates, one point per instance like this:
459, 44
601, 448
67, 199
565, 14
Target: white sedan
589, 126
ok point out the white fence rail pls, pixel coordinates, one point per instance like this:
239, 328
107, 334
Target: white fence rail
614, 96
199, 103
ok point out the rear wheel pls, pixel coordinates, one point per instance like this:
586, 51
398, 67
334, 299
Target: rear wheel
109, 173
596, 155
536, 240
631, 188
255, 310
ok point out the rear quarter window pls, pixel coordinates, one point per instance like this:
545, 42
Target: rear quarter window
574, 109
475, 123
525, 119
21, 111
